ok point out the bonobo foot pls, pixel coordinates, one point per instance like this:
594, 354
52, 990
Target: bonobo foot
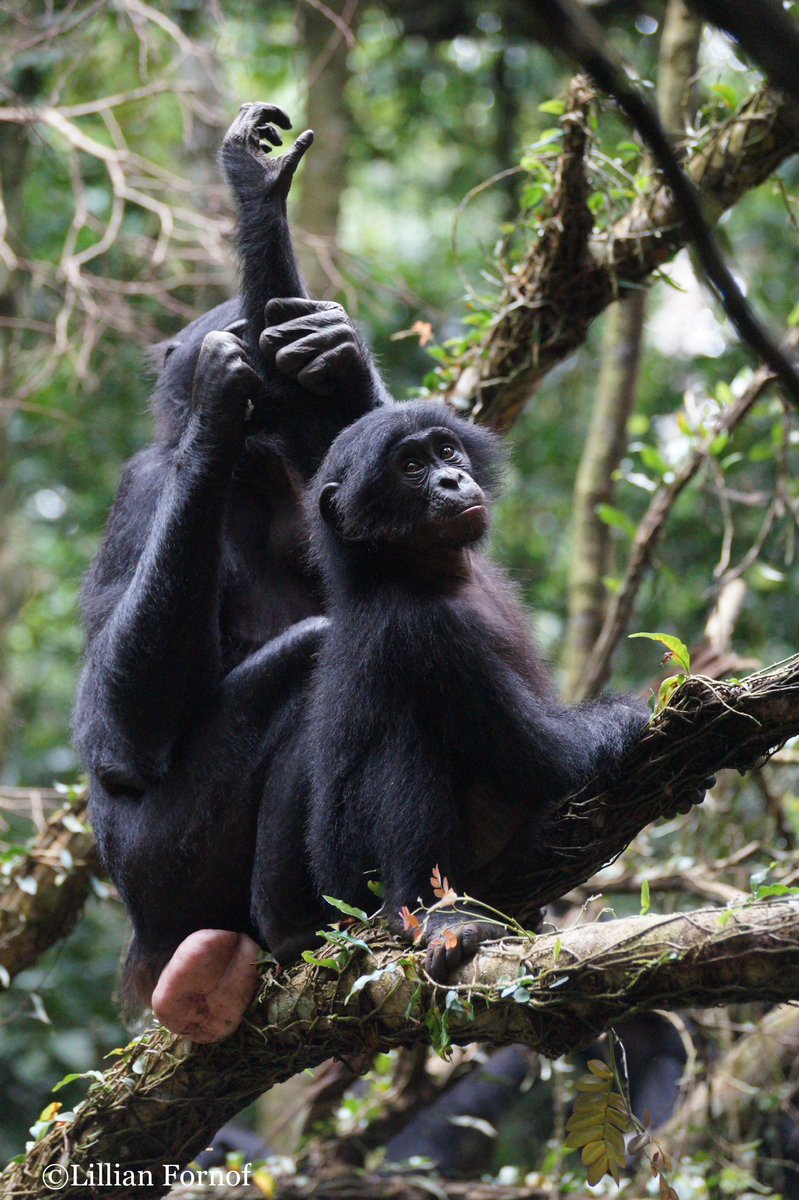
455, 942
252, 136
208, 984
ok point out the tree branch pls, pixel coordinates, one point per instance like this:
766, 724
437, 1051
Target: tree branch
162, 1100
707, 726
545, 316
650, 530
43, 896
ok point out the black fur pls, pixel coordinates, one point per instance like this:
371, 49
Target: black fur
432, 735
184, 692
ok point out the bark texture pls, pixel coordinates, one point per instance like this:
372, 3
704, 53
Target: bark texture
552, 299
43, 897
163, 1099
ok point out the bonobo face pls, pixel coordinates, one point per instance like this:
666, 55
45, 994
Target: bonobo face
432, 475
412, 475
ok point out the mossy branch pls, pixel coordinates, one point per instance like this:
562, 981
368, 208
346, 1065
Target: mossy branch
42, 897
164, 1099
708, 726
548, 306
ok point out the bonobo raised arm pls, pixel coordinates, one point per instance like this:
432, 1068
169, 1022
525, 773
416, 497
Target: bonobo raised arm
183, 694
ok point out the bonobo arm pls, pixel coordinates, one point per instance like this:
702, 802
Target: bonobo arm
232, 729
260, 183
155, 652
542, 749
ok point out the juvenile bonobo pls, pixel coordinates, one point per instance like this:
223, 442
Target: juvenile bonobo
184, 690
432, 735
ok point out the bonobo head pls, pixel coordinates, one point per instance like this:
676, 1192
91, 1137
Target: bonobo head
411, 476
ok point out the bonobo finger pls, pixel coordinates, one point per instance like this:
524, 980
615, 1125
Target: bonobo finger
237, 327
270, 134
267, 112
291, 160
319, 377
285, 308
436, 961
327, 326
470, 937
299, 353
251, 124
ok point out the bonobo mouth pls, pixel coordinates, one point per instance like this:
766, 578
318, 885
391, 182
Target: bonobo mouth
463, 524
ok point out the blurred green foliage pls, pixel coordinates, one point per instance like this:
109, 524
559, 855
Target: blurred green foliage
433, 118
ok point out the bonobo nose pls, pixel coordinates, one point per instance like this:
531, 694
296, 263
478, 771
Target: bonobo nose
450, 479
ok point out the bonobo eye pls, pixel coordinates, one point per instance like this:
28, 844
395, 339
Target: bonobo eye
447, 452
412, 466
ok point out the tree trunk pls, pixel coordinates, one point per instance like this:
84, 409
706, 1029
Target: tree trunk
324, 172
618, 383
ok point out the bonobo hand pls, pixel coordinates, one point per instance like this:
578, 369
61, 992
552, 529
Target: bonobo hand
225, 385
254, 130
315, 342
688, 795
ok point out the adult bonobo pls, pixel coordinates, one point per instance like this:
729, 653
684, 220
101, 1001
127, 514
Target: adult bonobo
431, 735
201, 567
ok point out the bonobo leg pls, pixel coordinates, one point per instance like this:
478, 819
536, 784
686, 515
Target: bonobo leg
181, 855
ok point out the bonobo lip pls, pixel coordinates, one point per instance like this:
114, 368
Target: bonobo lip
467, 524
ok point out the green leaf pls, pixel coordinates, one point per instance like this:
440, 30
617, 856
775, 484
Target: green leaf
347, 909
679, 651
774, 889
628, 152
616, 519
555, 108
726, 93
438, 1028
331, 964
646, 902
653, 460
97, 1075
458, 1006
362, 980
375, 887
667, 688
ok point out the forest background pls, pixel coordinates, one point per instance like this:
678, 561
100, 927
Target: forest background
438, 133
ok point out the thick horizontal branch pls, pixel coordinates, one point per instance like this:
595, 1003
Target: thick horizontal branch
545, 312
708, 726
163, 1099
43, 896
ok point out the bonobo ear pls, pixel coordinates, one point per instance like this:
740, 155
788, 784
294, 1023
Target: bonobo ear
327, 507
